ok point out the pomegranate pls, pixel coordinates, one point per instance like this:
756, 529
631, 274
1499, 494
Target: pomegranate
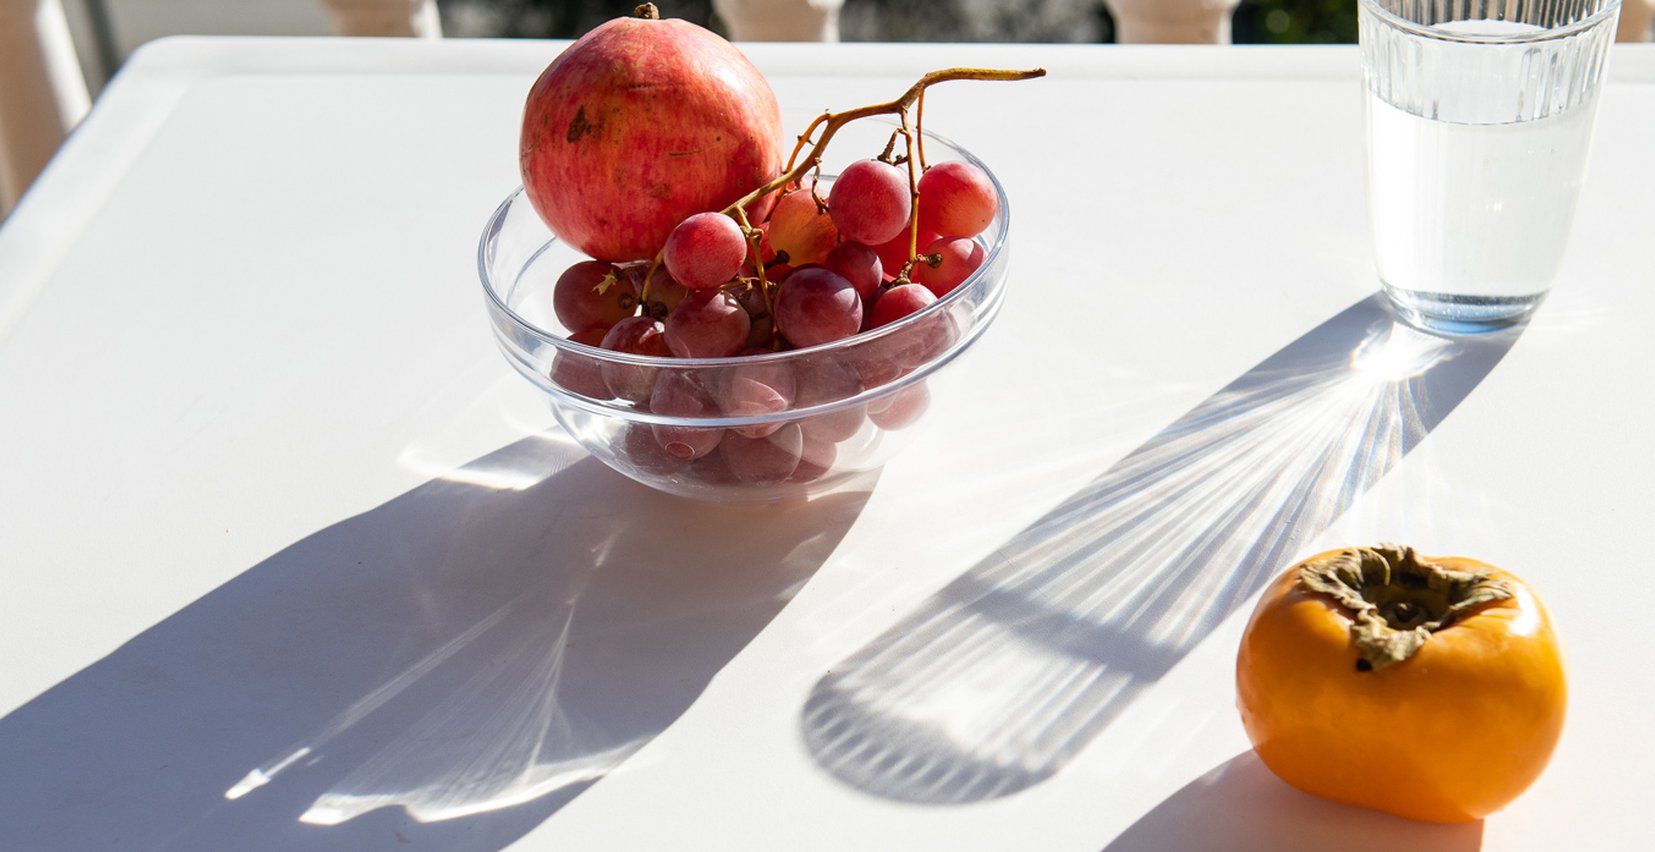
639, 124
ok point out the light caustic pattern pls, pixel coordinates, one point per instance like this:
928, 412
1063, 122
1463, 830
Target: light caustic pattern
519, 747
1005, 674
500, 733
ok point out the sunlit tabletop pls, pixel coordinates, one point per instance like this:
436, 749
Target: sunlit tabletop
290, 559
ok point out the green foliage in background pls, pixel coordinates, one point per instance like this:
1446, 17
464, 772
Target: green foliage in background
1296, 21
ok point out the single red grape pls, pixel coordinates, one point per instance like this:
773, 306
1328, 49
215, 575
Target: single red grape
760, 389
819, 381
815, 306
677, 394
900, 409
772, 458
870, 201
761, 325
918, 341
705, 250
579, 373
957, 199
959, 256
638, 336
799, 229
707, 324
898, 302
874, 365
592, 294
639, 448
859, 265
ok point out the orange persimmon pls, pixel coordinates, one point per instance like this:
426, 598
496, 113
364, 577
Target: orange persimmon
1429, 688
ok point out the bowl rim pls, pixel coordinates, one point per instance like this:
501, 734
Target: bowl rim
496, 222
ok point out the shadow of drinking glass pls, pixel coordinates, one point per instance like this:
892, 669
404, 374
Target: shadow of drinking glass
1241, 807
998, 680
447, 669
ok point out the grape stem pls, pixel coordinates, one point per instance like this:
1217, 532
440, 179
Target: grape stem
830, 122
754, 250
913, 187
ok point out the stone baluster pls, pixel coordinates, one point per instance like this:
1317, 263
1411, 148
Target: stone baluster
384, 17
42, 91
1636, 16
780, 20
1172, 21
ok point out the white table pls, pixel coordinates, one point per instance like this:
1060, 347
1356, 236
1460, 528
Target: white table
289, 559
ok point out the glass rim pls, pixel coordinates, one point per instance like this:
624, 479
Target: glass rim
1609, 9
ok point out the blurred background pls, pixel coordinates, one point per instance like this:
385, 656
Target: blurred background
1257, 21
107, 31
57, 55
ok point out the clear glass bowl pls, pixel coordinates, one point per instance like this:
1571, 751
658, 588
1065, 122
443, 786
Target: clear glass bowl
856, 399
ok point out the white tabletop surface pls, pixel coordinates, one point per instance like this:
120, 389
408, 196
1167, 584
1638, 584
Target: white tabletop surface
290, 559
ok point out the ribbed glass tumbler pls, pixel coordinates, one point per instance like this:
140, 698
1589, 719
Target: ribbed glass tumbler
1479, 117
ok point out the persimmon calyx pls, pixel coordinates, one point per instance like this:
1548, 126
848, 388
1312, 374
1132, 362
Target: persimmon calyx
1396, 599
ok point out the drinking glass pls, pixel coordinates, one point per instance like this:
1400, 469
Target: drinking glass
1479, 116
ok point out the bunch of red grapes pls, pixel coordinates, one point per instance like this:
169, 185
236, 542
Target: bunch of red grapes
879, 247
